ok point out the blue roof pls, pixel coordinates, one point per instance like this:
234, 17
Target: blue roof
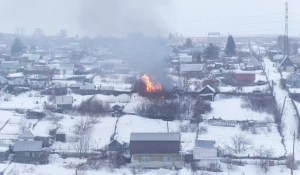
10, 64
205, 143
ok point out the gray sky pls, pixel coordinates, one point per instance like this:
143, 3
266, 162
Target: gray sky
118, 17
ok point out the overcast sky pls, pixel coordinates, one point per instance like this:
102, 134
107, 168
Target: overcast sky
119, 17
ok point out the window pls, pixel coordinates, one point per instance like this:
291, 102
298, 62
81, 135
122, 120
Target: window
27, 154
167, 159
284, 68
146, 159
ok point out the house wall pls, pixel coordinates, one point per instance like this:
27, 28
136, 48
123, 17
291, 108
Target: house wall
204, 152
293, 81
23, 157
154, 147
157, 160
9, 70
67, 72
287, 68
65, 106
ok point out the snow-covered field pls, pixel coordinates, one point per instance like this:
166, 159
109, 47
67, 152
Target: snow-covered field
263, 137
231, 109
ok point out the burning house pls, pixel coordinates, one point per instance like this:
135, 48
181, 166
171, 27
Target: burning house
145, 86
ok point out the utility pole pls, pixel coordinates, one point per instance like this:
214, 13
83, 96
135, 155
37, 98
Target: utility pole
293, 153
286, 34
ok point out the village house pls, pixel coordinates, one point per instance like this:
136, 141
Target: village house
244, 77
191, 70
29, 152
10, 66
64, 102
286, 65
207, 93
252, 64
156, 150
66, 69
185, 58
293, 80
206, 155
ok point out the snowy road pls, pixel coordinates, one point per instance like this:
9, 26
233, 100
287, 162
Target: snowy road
289, 118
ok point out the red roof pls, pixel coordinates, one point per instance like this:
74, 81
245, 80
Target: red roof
245, 77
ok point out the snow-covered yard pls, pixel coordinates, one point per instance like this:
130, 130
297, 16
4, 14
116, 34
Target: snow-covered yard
263, 137
231, 109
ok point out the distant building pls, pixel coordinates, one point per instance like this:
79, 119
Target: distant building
65, 102
207, 93
286, 65
244, 77
205, 154
191, 70
30, 152
10, 66
66, 69
156, 150
293, 80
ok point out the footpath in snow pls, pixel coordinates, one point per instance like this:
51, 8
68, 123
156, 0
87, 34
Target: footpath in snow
289, 118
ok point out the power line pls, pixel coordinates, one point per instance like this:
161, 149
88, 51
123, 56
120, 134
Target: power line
236, 17
230, 25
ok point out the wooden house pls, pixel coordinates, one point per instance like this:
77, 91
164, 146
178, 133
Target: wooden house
156, 150
191, 70
207, 93
205, 155
293, 80
30, 152
10, 66
286, 65
64, 102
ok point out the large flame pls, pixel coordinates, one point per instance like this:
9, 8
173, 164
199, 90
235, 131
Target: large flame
151, 87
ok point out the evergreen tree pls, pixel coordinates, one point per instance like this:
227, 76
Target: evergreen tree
188, 43
211, 52
230, 46
17, 47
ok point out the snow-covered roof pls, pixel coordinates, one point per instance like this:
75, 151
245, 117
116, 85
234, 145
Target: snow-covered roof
26, 134
64, 100
155, 137
286, 62
10, 64
28, 146
209, 87
205, 143
186, 59
191, 67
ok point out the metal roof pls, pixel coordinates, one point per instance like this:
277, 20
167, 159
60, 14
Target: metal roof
28, 146
205, 143
191, 67
155, 137
64, 100
10, 64
27, 134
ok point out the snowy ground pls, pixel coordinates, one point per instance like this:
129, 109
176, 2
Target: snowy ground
234, 110
223, 135
289, 119
27, 100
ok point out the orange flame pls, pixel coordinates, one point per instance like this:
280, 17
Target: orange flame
151, 87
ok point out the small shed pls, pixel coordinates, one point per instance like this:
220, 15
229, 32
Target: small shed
60, 136
35, 114
207, 93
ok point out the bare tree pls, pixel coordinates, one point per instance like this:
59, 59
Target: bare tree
82, 136
265, 154
239, 143
23, 125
